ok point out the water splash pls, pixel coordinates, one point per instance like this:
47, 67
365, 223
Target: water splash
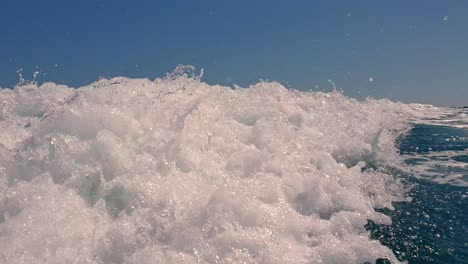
22, 81
187, 71
133, 170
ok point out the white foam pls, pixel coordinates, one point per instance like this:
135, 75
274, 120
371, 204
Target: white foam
439, 167
439, 116
178, 171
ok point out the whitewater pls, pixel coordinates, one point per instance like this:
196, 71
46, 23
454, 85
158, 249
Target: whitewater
174, 170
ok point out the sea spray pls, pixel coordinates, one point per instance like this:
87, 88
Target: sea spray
178, 171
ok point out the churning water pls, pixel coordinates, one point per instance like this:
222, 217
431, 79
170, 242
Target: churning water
178, 171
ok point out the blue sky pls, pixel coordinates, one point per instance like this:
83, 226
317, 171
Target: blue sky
414, 51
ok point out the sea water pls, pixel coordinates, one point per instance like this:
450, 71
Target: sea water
174, 170
433, 227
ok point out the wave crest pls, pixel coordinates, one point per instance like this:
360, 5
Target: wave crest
133, 170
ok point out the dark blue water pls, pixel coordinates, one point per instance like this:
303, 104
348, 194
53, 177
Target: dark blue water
433, 227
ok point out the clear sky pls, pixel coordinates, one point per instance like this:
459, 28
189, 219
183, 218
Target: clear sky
410, 51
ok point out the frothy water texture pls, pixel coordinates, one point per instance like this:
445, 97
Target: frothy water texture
437, 148
178, 171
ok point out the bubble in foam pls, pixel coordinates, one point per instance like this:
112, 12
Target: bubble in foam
178, 171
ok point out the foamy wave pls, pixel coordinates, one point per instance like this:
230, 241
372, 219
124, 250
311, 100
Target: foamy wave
178, 171
440, 116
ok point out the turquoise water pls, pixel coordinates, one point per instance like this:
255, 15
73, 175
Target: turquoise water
432, 228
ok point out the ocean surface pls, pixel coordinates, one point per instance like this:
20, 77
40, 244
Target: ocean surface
174, 170
433, 227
